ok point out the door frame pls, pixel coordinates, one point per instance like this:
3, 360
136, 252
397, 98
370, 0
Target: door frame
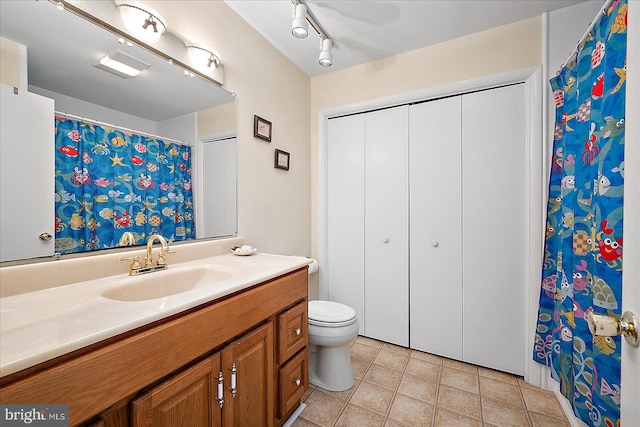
537, 150
629, 409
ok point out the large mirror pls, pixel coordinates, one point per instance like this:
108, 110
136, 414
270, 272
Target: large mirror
63, 64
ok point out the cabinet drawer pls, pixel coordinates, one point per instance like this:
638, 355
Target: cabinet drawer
292, 331
293, 379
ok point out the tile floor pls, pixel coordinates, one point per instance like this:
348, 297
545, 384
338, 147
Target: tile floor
396, 387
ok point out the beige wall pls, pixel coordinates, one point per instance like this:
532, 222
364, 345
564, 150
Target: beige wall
217, 119
501, 49
9, 63
273, 204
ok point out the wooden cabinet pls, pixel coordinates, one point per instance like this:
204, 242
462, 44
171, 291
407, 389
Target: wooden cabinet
249, 401
293, 359
292, 332
242, 371
184, 400
293, 382
167, 374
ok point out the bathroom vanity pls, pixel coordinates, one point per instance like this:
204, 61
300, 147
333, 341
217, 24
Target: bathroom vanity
237, 359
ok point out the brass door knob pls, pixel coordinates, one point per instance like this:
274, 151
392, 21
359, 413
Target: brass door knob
608, 326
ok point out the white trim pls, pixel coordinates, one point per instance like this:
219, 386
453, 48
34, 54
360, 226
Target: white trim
630, 386
566, 407
532, 77
217, 136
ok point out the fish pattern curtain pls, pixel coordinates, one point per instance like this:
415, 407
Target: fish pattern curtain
109, 182
582, 269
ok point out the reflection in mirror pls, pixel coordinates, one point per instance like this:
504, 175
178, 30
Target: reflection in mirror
154, 153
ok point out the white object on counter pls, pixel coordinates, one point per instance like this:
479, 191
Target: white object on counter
313, 266
244, 250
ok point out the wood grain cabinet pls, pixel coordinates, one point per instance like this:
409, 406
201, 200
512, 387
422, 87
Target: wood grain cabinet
231, 388
293, 359
239, 361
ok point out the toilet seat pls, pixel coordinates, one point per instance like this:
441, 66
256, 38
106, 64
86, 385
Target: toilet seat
330, 314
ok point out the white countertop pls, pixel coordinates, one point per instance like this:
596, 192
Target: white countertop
38, 326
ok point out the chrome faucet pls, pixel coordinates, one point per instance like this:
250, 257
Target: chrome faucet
148, 266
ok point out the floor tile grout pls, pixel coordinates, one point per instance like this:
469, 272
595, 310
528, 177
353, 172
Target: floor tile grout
491, 378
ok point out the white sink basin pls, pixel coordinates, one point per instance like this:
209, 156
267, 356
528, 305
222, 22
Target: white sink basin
167, 282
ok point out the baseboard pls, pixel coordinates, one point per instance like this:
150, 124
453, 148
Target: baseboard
295, 415
568, 410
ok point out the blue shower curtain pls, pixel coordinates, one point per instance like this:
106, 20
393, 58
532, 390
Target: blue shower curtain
109, 182
582, 269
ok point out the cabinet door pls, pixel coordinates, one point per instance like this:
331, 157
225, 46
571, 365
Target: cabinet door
495, 218
345, 213
386, 226
184, 400
252, 357
27, 193
435, 224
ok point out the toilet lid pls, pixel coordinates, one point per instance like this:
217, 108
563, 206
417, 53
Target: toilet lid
331, 312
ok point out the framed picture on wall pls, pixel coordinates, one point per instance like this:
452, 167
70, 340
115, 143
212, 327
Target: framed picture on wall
261, 128
282, 160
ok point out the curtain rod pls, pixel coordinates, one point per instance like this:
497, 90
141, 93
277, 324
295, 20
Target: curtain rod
122, 128
606, 4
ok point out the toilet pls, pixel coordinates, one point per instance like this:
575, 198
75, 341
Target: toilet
332, 327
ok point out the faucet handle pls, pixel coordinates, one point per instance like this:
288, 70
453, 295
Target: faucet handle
135, 264
161, 260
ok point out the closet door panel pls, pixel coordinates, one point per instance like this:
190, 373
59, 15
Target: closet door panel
386, 226
345, 213
435, 224
494, 227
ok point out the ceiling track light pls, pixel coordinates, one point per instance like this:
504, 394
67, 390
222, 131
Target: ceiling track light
299, 26
302, 16
326, 57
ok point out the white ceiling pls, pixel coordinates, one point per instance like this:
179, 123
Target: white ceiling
365, 30
63, 48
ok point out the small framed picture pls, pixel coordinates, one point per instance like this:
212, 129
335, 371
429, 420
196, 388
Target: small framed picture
261, 128
282, 160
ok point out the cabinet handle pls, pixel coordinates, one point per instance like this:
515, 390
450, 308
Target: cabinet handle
233, 380
386, 240
220, 397
298, 331
297, 381
45, 236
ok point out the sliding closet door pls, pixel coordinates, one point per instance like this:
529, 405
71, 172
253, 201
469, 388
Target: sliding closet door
436, 246
345, 213
386, 226
494, 227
